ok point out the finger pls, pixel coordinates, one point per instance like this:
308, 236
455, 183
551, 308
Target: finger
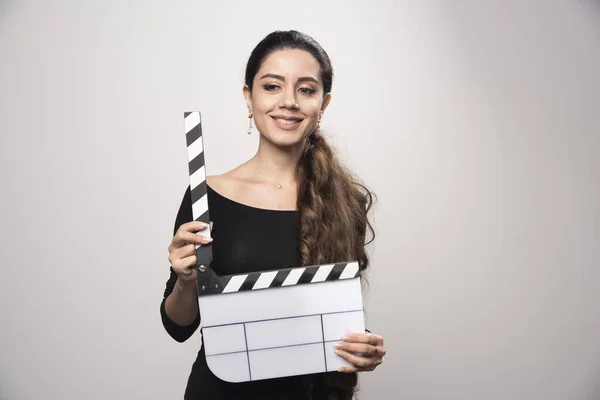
185, 230
381, 351
348, 369
184, 265
361, 348
359, 362
185, 238
355, 369
368, 338
187, 249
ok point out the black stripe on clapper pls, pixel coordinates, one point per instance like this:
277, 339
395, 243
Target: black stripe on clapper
308, 274
279, 278
336, 271
249, 282
196, 163
197, 193
194, 134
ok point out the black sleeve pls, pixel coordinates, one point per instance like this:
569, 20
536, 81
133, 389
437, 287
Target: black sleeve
178, 332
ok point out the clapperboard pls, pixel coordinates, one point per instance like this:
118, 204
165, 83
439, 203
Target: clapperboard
269, 324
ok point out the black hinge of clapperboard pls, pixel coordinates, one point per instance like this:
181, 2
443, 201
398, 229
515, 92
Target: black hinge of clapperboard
208, 281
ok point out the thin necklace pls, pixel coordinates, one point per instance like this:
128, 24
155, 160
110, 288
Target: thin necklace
278, 184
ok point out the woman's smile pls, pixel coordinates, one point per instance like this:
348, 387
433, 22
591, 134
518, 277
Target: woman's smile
286, 123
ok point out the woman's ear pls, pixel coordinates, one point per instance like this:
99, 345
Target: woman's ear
326, 101
247, 96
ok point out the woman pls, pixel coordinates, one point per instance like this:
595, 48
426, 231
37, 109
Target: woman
292, 204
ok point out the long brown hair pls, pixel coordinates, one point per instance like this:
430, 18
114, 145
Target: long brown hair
333, 205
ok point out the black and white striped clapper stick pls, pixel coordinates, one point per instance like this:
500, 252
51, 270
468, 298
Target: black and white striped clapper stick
198, 187
208, 281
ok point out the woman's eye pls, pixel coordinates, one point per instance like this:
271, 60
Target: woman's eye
308, 91
270, 87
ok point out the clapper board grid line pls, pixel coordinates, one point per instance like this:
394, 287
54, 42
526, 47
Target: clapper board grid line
272, 348
324, 341
284, 318
248, 351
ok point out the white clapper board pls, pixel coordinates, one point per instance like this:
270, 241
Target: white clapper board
268, 324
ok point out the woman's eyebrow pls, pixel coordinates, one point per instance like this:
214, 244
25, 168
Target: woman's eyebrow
281, 78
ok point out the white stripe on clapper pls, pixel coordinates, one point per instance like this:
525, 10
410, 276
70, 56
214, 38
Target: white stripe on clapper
234, 283
264, 280
293, 277
197, 177
322, 273
350, 270
200, 206
191, 121
195, 149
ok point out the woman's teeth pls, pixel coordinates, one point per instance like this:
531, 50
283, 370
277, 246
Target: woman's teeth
287, 121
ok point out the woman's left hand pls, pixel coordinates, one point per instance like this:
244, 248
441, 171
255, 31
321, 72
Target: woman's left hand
364, 351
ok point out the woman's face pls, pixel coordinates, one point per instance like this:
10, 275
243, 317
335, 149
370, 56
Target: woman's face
287, 97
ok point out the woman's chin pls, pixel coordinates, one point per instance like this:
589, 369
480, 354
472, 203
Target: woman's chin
286, 139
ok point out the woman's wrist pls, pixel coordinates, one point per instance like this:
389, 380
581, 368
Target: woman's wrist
185, 286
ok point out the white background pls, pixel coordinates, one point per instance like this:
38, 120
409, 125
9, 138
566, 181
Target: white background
476, 124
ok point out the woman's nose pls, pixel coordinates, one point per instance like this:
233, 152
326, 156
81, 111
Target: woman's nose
289, 101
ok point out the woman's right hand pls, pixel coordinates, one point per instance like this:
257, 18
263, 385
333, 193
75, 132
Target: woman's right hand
182, 250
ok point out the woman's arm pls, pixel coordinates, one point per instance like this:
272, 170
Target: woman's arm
179, 307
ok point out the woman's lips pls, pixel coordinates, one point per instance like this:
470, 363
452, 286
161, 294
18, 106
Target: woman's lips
286, 124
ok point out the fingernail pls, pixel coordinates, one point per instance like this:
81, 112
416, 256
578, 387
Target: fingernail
201, 224
209, 239
345, 338
337, 345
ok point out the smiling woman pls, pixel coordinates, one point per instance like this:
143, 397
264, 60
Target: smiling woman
290, 99
292, 204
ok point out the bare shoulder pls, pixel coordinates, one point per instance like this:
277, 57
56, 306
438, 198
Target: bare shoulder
220, 183
229, 184
216, 182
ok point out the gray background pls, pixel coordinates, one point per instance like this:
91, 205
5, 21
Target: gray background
476, 123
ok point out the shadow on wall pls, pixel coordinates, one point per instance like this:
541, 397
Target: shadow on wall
594, 6
6, 9
595, 393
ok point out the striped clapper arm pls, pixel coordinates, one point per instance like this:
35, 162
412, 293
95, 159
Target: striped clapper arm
269, 324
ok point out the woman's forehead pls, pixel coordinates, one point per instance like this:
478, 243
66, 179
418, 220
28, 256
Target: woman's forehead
290, 63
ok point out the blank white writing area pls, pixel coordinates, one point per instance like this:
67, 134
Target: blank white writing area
476, 124
280, 331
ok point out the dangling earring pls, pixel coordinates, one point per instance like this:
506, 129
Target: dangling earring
319, 122
250, 114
